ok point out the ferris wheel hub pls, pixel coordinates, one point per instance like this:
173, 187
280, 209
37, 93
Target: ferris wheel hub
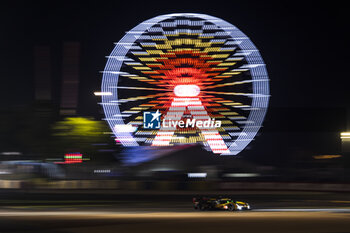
186, 90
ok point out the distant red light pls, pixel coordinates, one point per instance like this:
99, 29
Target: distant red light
72, 158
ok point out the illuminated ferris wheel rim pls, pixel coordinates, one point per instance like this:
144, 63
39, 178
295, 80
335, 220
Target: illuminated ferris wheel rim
255, 64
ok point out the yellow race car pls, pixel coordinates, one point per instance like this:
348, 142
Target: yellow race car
204, 203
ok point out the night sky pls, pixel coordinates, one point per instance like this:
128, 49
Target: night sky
304, 45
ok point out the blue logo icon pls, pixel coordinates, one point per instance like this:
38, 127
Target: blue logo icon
151, 120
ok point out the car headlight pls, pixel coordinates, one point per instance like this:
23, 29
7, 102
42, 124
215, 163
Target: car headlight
239, 207
248, 206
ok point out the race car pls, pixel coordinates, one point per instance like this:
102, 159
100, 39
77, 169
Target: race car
204, 203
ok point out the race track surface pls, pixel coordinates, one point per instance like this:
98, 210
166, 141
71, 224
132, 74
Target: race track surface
273, 212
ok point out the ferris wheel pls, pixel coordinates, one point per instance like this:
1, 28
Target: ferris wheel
182, 67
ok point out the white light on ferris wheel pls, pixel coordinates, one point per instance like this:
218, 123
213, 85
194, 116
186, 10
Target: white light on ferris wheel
186, 90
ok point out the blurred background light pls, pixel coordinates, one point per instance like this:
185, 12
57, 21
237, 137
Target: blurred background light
345, 135
197, 175
326, 156
11, 153
97, 93
241, 175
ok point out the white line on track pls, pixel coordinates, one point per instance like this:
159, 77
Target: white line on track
303, 210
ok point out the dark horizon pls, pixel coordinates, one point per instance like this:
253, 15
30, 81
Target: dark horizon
300, 43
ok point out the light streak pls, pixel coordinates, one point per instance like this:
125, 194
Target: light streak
102, 93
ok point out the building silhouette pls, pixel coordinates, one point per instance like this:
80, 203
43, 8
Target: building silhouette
70, 78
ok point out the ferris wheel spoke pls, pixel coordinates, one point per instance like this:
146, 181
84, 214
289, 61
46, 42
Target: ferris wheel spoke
233, 83
139, 78
231, 93
142, 79
226, 111
143, 88
138, 98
